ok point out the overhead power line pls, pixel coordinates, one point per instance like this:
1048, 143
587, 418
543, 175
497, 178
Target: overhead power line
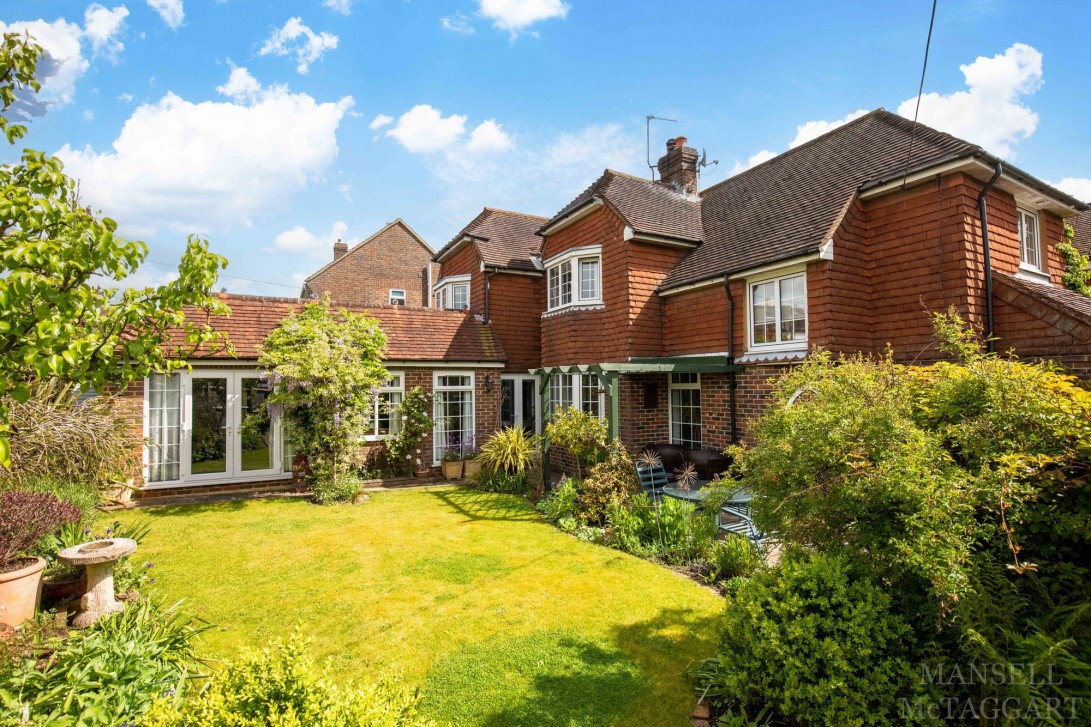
233, 277
920, 93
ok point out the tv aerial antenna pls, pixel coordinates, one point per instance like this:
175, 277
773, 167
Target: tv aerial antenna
648, 137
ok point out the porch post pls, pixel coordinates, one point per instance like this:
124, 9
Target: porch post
543, 395
612, 418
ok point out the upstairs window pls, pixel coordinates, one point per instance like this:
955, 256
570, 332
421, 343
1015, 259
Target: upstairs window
574, 278
1029, 247
397, 297
453, 293
778, 311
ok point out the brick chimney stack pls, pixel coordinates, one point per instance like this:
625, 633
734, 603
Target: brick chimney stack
339, 249
678, 167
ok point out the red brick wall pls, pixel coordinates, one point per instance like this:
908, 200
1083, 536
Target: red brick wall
365, 275
696, 322
516, 303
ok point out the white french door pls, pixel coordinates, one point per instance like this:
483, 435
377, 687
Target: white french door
224, 433
520, 404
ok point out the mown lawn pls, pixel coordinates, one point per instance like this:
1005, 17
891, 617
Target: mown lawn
501, 618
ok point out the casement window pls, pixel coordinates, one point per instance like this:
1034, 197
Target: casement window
453, 293
397, 297
1030, 247
385, 419
778, 312
685, 410
574, 278
453, 412
582, 391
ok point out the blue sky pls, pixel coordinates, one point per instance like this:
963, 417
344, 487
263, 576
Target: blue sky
275, 127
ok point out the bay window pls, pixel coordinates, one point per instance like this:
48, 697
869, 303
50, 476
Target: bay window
778, 311
453, 292
574, 278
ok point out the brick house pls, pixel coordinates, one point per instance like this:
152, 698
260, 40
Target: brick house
192, 420
392, 267
665, 309
489, 269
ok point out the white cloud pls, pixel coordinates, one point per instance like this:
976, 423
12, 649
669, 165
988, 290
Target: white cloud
339, 6
991, 112
814, 129
88, 115
62, 65
755, 159
102, 26
345, 190
1078, 187
424, 129
488, 136
516, 16
457, 23
240, 86
380, 121
125, 98
170, 11
299, 41
212, 165
299, 239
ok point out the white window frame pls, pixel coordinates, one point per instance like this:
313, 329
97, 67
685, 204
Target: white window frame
397, 294
671, 388
574, 389
778, 345
570, 263
444, 291
397, 387
1023, 215
437, 455
234, 472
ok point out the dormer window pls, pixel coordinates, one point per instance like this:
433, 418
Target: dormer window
574, 278
453, 292
1030, 248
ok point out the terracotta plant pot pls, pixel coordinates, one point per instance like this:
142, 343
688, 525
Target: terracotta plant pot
452, 470
56, 591
423, 472
20, 591
472, 468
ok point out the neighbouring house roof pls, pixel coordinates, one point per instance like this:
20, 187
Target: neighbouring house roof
1081, 225
647, 207
355, 248
791, 205
504, 239
413, 334
1059, 307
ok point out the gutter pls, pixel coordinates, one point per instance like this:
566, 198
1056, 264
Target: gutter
983, 212
488, 287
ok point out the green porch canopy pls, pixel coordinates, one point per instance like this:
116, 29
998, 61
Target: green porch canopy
609, 373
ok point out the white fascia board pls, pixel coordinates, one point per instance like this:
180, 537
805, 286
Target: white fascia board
692, 286
630, 234
585, 250
921, 176
773, 267
464, 278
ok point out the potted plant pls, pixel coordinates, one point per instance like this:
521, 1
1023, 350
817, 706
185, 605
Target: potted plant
452, 462
28, 517
471, 465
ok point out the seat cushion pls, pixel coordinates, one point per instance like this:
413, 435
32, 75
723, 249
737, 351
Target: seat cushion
671, 456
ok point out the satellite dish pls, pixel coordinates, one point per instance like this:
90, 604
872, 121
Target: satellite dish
705, 162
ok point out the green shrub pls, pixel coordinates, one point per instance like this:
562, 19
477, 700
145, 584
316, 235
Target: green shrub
280, 685
817, 643
671, 530
581, 434
561, 503
328, 490
511, 451
735, 556
403, 451
108, 674
612, 481
499, 481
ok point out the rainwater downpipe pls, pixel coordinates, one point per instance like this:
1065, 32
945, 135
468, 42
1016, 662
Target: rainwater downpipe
983, 212
731, 376
488, 277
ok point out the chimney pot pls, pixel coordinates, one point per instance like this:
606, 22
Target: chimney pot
670, 144
339, 249
680, 142
678, 167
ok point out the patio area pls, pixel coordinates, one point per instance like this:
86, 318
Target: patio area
501, 618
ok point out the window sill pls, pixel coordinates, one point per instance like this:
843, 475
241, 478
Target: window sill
573, 307
1033, 275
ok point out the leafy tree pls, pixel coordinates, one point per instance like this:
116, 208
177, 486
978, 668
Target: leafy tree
59, 317
326, 368
1077, 266
580, 433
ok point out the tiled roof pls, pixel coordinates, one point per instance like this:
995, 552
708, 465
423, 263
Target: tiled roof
790, 205
1062, 300
647, 207
504, 239
413, 334
399, 221
1081, 225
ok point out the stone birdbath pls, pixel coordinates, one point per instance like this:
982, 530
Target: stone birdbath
98, 556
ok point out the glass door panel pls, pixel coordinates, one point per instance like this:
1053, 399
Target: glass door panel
530, 405
255, 440
208, 450
507, 403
